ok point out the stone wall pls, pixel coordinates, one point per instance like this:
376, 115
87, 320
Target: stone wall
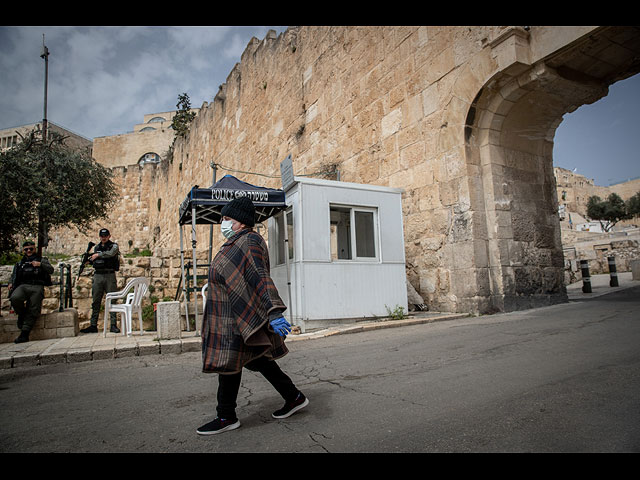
461, 118
49, 325
574, 190
128, 220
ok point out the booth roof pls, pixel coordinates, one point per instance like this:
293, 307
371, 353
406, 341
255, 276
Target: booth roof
208, 202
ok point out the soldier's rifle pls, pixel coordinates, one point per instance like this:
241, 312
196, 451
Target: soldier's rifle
85, 259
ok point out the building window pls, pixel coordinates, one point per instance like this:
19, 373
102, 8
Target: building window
156, 120
353, 233
8, 142
147, 129
149, 158
280, 220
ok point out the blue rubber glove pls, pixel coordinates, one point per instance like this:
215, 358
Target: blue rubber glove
281, 326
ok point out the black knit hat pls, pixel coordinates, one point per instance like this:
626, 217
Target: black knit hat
242, 210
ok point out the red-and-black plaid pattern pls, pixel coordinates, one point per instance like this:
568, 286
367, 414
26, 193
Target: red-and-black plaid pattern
241, 293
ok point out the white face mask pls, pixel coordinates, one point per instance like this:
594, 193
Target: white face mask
225, 228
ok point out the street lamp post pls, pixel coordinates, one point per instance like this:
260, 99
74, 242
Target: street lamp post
45, 55
42, 234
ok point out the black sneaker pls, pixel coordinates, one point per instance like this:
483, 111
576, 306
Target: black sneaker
291, 407
218, 425
23, 337
90, 329
114, 329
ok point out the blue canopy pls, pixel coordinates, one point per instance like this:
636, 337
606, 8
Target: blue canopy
209, 201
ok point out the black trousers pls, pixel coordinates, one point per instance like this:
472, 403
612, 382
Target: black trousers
229, 385
26, 301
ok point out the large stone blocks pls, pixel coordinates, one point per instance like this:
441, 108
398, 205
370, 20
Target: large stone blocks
49, 325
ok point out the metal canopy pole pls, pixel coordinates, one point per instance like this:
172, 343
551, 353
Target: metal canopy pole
286, 259
184, 280
215, 168
195, 267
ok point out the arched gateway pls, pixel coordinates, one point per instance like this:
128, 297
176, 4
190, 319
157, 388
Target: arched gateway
509, 131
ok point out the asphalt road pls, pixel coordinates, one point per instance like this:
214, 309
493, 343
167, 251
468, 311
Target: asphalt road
564, 378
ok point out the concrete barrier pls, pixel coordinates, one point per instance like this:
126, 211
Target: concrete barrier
168, 320
635, 269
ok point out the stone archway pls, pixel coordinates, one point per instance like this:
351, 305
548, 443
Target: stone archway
509, 141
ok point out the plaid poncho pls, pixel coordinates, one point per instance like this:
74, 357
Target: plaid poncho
241, 293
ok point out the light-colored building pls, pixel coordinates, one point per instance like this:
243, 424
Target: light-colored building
10, 137
149, 142
574, 191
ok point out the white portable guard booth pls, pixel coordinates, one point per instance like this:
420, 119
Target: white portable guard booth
346, 252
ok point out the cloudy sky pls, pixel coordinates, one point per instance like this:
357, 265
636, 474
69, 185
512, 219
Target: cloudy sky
602, 140
102, 80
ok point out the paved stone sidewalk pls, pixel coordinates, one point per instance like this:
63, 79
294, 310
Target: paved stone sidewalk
95, 346
600, 286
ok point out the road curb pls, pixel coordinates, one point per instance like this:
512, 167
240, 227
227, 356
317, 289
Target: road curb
90, 347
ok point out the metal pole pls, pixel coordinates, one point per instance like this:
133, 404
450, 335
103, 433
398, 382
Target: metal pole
586, 278
195, 268
61, 287
42, 234
66, 296
213, 182
45, 55
286, 259
612, 271
69, 291
184, 280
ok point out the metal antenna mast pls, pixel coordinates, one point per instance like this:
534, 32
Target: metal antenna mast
45, 55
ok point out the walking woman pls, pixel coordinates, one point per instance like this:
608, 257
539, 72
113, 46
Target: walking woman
243, 326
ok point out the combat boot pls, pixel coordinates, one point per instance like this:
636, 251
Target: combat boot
23, 337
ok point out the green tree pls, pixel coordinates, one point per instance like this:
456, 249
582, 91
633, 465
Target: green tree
608, 212
633, 205
182, 119
46, 185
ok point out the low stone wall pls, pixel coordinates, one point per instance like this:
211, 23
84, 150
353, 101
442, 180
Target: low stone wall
596, 248
163, 269
49, 325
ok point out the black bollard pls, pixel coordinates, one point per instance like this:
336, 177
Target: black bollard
612, 271
61, 287
586, 278
66, 295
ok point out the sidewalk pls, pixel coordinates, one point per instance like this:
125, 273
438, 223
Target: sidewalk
94, 346
600, 286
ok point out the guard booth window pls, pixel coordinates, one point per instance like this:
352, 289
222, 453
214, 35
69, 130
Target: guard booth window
362, 235
280, 220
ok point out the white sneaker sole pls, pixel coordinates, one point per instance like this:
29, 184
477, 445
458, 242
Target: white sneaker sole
233, 426
293, 410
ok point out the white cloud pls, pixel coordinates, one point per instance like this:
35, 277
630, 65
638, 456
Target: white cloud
102, 80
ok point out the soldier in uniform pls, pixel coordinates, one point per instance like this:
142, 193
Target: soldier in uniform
28, 279
105, 263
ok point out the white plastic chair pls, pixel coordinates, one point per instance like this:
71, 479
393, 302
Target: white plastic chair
204, 296
133, 303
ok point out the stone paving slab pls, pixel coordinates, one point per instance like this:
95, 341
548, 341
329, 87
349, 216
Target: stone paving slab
94, 346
